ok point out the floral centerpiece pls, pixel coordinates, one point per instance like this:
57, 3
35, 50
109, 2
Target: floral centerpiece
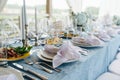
116, 20
81, 19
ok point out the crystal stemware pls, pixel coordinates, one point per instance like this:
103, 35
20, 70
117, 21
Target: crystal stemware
3, 48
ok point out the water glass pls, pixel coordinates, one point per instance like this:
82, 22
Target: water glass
3, 49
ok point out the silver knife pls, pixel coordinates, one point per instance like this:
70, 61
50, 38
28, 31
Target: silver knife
30, 71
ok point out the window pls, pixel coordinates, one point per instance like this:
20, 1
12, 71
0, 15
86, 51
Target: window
13, 8
60, 8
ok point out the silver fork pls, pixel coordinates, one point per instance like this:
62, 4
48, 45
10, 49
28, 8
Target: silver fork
55, 69
31, 62
43, 63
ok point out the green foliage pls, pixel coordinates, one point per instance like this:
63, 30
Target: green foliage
22, 50
116, 20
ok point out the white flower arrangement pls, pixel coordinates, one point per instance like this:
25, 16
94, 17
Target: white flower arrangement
81, 18
116, 20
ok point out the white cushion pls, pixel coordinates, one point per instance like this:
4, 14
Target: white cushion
108, 76
118, 55
115, 66
118, 49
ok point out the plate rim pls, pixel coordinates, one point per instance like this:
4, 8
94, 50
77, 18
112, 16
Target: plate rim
19, 58
17, 73
75, 43
48, 60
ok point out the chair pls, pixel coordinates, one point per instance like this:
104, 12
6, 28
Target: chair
118, 55
114, 67
119, 49
108, 76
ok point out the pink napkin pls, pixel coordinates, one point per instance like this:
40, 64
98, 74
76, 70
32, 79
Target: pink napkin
103, 35
8, 77
51, 49
118, 31
66, 52
111, 32
90, 40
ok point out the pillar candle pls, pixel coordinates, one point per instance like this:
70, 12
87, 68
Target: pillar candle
24, 6
36, 20
23, 25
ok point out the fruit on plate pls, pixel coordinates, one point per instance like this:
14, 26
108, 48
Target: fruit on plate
70, 35
54, 40
14, 52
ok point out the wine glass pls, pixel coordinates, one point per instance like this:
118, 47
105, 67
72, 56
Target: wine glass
68, 26
3, 48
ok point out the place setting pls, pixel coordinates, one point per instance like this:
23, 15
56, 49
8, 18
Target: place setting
65, 53
87, 40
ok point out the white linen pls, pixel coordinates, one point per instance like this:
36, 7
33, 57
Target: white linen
51, 49
89, 40
114, 67
108, 76
118, 55
66, 52
8, 77
102, 35
111, 32
118, 31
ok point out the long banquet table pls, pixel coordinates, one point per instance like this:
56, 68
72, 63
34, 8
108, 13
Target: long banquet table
88, 68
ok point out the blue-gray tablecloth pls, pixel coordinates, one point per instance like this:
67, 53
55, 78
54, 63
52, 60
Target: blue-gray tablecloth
89, 67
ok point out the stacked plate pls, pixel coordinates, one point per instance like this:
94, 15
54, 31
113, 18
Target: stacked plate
45, 55
48, 57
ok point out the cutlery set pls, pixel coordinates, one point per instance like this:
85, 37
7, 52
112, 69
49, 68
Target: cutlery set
30, 71
43, 63
40, 65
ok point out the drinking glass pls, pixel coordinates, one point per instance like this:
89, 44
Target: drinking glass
3, 48
68, 26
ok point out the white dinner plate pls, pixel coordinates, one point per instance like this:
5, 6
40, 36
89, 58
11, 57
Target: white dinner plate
87, 46
40, 52
7, 71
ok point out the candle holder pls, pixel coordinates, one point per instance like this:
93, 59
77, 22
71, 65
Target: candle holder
25, 42
36, 41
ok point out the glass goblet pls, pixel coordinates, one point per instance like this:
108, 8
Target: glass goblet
3, 49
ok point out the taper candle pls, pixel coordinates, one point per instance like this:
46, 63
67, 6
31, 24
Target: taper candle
25, 17
36, 31
23, 24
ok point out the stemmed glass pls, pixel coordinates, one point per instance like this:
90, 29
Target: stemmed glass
68, 26
3, 48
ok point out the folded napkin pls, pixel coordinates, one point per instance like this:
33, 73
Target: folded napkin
67, 52
103, 35
51, 49
8, 77
111, 32
90, 40
118, 31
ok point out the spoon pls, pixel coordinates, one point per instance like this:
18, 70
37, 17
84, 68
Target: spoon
38, 66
